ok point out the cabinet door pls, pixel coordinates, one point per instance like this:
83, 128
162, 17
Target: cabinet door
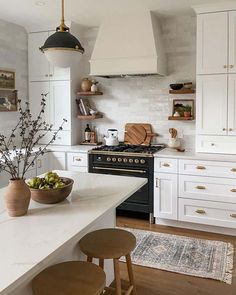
211, 100
232, 41
212, 43
35, 91
232, 104
42, 164
165, 196
60, 103
38, 64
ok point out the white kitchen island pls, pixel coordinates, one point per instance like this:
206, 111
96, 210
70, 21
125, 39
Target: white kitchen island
49, 234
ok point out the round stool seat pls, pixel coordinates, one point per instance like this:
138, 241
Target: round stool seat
73, 278
107, 243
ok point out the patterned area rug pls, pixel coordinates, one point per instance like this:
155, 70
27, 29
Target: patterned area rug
185, 255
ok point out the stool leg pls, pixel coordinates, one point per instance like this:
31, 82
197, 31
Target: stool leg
101, 263
89, 259
117, 276
130, 273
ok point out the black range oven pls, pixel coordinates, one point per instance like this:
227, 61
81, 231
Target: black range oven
128, 160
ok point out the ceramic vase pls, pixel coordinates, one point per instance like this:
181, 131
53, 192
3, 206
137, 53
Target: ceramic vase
17, 197
174, 143
94, 88
86, 85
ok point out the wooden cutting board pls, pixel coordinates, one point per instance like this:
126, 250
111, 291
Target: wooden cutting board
137, 133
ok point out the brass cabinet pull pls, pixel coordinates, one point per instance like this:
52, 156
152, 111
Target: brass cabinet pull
233, 190
225, 66
230, 129
166, 165
200, 187
231, 66
201, 167
200, 211
224, 129
157, 182
77, 159
233, 170
233, 215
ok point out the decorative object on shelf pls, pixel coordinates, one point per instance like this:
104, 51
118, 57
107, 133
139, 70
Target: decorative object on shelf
183, 109
8, 100
173, 142
176, 86
89, 93
188, 85
87, 133
94, 87
112, 137
93, 138
50, 189
182, 91
62, 49
17, 161
86, 85
7, 79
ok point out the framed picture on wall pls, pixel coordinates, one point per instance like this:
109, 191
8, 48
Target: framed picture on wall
8, 100
7, 79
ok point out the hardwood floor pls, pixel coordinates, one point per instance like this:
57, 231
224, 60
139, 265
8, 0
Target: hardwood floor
157, 282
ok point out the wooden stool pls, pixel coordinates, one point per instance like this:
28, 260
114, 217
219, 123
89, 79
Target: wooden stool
70, 278
111, 244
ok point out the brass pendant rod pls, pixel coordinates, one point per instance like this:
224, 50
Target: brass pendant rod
63, 27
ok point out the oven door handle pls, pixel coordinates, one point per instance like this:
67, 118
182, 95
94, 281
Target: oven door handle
122, 170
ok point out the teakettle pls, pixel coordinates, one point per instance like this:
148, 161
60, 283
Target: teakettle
112, 138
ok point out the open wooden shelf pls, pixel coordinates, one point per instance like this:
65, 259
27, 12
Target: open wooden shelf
90, 117
182, 91
180, 118
89, 93
91, 143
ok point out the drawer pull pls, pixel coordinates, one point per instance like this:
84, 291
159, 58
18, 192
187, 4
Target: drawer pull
200, 211
77, 159
166, 165
233, 190
233, 215
201, 168
233, 169
200, 187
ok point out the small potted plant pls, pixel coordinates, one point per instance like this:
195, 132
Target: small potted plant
94, 87
187, 110
19, 152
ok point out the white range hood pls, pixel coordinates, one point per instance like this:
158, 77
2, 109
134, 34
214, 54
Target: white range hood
129, 45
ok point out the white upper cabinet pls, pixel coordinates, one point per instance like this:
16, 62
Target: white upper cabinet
232, 105
39, 67
212, 43
212, 104
232, 42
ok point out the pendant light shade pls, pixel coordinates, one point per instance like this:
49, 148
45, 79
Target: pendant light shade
62, 49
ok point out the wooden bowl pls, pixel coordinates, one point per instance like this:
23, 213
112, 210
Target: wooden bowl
53, 196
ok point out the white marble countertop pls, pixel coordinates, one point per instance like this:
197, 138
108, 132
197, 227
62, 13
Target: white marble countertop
171, 153
70, 148
28, 241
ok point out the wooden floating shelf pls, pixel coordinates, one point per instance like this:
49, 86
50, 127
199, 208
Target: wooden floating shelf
180, 118
90, 117
182, 91
91, 143
89, 93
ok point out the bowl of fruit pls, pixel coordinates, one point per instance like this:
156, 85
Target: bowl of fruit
50, 189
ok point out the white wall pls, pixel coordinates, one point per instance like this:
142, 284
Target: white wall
13, 56
147, 99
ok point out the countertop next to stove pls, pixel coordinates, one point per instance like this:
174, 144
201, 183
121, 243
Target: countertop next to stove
192, 155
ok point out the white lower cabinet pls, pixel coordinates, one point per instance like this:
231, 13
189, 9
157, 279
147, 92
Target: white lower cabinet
165, 195
57, 160
206, 212
77, 162
4, 179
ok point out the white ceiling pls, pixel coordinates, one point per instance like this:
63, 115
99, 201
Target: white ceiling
87, 12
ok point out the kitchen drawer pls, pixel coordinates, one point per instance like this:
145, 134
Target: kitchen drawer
216, 144
206, 212
207, 168
166, 165
207, 188
77, 160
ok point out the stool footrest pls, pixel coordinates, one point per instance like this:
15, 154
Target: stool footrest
124, 292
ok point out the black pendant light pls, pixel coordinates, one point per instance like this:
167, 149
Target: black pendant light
62, 49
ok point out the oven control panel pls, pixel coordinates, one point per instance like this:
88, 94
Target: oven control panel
120, 160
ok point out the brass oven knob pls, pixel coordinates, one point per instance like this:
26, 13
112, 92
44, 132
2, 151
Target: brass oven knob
125, 160
119, 160
136, 161
142, 161
113, 159
131, 160
108, 159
